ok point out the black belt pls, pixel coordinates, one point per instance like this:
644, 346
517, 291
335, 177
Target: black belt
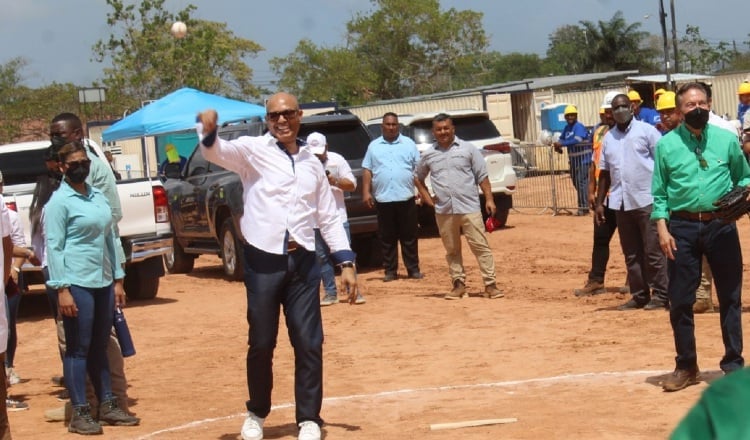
705, 216
292, 246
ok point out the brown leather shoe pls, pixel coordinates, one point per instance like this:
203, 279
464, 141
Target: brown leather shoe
681, 379
703, 305
491, 291
458, 292
592, 287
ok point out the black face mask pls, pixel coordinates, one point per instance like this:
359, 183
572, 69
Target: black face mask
697, 118
58, 141
77, 173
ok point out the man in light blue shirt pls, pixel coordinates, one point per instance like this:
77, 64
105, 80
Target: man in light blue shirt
388, 184
627, 166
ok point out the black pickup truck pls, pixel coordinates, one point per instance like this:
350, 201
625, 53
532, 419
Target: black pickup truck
205, 200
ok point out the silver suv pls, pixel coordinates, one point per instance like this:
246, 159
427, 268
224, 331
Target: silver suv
476, 127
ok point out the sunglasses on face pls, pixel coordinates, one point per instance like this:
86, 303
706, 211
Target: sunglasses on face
287, 114
84, 163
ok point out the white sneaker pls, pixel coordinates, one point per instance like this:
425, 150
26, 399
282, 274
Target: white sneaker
252, 429
309, 431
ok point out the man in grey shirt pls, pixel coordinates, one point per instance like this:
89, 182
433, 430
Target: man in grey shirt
456, 167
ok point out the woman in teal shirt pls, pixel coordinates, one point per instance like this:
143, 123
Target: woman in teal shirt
85, 270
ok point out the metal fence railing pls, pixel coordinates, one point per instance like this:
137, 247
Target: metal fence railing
544, 180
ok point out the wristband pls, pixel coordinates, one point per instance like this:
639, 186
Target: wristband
347, 264
16, 269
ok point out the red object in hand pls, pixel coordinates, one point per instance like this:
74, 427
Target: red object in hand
491, 224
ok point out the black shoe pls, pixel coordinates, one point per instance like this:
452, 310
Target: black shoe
656, 304
81, 422
632, 304
416, 275
111, 414
389, 277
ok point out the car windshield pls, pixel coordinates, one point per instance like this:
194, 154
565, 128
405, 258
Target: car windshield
348, 139
468, 128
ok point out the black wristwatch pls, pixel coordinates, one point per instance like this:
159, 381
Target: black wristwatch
347, 264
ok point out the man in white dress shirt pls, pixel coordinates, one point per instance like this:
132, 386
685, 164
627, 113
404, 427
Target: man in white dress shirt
286, 195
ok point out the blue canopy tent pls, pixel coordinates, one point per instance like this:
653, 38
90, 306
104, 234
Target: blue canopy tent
176, 113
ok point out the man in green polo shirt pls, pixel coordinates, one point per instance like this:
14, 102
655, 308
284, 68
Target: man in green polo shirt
695, 164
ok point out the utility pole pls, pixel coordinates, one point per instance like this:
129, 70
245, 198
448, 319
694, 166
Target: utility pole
674, 37
662, 20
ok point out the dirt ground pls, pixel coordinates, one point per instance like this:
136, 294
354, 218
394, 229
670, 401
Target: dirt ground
564, 367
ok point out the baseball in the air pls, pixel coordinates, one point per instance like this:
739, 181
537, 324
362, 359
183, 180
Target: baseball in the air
179, 29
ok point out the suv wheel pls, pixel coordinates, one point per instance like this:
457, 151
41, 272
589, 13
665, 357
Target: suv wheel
178, 261
232, 258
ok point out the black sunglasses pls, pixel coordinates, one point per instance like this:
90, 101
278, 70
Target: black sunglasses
287, 114
85, 163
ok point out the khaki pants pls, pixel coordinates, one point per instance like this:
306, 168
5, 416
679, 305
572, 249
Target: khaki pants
704, 289
451, 226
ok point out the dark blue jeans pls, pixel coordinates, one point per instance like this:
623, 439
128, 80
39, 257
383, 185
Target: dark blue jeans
579, 173
720, 244
12, 304
86, 337
291, 281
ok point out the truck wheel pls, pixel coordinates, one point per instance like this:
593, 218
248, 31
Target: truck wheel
142, 279
503, 203
178, 261
232, 258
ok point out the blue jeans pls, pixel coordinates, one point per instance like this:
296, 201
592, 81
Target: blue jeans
327, 273
86, 337
12, 304
579, 173
720, 244
291, 281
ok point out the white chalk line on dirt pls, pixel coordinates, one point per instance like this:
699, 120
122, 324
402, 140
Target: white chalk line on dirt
508, 383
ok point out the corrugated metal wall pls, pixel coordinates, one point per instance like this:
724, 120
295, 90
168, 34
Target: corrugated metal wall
724, 91
588, 103
465, 102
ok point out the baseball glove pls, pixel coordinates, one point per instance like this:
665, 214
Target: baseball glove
733, 205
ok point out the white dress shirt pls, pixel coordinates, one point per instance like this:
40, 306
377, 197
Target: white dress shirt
5, 230
340, 169
629, 157
281, 193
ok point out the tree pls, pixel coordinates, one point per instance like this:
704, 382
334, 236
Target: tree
148, 63
513, 66
698, 56
318, 74
24, 112
401, 48
601, 47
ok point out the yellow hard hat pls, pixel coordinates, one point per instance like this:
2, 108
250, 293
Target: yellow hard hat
570, 109
658, 93
666, 101
602, 110
634, 96
744, 88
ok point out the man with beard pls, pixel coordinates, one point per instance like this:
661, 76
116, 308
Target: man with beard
695, 165
627, 165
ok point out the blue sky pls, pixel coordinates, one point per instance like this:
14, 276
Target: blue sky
56, 36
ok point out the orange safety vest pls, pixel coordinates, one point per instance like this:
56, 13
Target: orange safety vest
599, 134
